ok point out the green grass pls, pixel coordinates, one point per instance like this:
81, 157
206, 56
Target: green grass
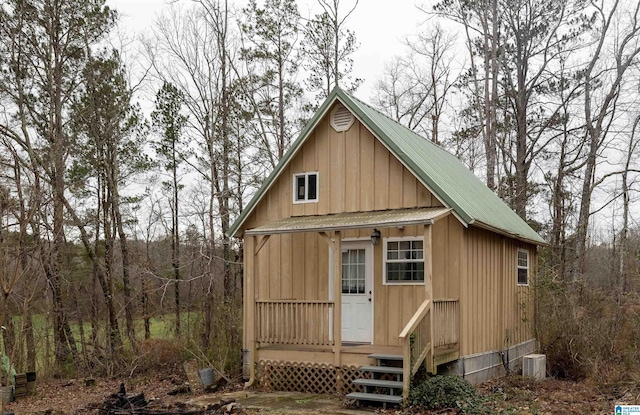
162, 327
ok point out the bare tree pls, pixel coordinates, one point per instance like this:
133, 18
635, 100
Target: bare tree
414, 88
272, 65
480, 21
327, 48
615, 50
44, 43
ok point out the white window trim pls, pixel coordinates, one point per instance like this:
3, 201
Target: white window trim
384, 259
519, 267
306, 187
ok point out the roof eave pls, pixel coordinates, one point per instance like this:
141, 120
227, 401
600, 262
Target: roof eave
479, 224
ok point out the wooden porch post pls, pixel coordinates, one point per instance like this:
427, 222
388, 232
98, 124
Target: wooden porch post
428, 285
251, 250
337, 306
250, 296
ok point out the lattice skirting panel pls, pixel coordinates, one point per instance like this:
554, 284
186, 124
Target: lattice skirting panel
306, 377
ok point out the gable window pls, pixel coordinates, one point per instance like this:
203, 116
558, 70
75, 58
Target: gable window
523, 267
404, 261
305, 187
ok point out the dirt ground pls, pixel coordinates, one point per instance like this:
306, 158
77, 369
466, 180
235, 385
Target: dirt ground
71, 396
504, 396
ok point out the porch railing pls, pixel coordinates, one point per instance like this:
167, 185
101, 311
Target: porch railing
294, 322
416, 344
433, 325
445, 320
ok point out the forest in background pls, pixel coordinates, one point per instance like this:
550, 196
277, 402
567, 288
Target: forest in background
114, 215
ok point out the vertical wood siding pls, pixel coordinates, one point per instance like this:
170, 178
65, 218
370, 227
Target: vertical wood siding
357, 173
495, 312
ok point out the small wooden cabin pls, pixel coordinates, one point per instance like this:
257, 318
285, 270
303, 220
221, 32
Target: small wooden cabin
432, 267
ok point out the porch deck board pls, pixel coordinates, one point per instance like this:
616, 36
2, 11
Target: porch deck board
383, 356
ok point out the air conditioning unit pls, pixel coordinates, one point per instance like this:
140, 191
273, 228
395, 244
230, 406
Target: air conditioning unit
534, 366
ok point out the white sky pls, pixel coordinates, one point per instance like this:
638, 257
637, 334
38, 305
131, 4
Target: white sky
380, 27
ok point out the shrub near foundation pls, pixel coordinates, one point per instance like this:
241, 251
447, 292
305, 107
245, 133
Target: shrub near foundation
447, 392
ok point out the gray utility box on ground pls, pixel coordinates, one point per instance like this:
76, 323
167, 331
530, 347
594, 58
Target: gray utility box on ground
534, 366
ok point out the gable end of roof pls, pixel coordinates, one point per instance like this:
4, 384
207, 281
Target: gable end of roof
441, 172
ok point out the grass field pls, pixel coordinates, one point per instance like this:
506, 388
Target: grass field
161, 327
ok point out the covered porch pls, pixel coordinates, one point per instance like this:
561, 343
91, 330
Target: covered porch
300, 330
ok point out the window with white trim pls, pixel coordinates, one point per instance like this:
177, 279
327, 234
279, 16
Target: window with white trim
523, 267
305, 187
404, 261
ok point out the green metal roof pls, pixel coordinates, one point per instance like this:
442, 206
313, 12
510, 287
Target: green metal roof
352, 220
443, 174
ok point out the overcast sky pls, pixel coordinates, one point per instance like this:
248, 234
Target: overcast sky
380, 26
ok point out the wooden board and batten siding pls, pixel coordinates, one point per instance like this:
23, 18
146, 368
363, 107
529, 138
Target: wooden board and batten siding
496, 312
357, 173
296, 266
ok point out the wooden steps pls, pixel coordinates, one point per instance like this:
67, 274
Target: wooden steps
380, 390
388, 391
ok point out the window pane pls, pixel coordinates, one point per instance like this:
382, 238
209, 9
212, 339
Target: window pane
313, 186
523, 276
300, 188
406, 261
405, 271
523, 258
392, 275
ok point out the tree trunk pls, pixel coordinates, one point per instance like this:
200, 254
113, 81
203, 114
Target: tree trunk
124, 250
175, 241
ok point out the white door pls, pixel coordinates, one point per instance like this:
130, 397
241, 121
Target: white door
357, 292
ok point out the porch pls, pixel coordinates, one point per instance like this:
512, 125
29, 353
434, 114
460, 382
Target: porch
312, 338
303, 331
